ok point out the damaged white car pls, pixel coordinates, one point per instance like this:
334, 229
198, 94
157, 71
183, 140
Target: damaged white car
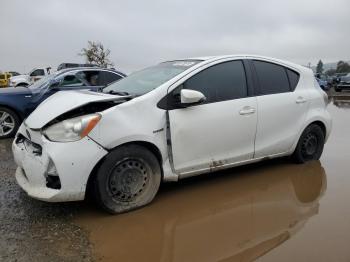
170, 121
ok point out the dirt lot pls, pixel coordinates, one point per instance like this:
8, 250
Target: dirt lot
274, 211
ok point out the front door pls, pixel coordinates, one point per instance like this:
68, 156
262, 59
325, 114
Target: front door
220, 131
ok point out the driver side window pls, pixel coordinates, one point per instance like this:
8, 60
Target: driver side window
70, 80
220, 82
38, 72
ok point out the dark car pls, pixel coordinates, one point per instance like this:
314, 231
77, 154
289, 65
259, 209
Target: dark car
74, 65
344, 83
17, 103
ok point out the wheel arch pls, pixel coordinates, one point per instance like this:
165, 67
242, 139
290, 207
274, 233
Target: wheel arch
19, 115
148, 145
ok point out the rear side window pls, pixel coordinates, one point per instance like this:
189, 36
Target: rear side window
225, 81
272, 78
293, 79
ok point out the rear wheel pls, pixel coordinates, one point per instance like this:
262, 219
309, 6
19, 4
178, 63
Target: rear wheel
128, 178
9, 123
310, 145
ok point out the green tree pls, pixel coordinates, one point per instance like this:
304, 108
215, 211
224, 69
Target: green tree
343, 67
319, 67
95, 53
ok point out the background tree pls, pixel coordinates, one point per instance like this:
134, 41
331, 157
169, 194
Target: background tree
95, 53
343, 67
330, 72
319, 67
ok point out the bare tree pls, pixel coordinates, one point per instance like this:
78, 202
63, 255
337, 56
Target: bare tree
95, 53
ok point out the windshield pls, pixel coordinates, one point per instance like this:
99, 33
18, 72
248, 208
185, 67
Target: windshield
146, 80
41, 82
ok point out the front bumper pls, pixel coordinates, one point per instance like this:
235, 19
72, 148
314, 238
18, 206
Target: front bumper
71, 162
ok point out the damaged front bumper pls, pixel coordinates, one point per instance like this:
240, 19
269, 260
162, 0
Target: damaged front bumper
54, 172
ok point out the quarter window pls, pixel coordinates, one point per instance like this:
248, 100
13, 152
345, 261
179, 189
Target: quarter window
272, 78
293, 79
225, 81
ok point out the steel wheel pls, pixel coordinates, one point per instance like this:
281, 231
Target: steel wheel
128, 180
7, 123
310, 145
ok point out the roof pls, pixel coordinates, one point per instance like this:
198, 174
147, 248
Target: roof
248, 56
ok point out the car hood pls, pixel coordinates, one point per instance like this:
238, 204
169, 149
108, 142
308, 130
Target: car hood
63, 102
15, 91
14, 78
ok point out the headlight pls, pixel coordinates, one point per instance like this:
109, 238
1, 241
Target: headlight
73, 129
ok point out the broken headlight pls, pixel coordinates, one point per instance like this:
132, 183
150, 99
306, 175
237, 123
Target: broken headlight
73, 129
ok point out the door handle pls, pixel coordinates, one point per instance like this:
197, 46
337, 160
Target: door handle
300, 100
247, 110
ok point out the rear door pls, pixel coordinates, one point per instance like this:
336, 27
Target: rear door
220, 131
282, 108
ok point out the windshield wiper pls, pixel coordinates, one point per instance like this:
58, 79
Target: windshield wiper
119, 93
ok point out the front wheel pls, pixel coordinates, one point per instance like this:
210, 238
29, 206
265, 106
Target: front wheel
9, 123
310, 144
128, 178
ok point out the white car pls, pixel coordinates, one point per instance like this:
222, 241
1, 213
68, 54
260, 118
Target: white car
26, 80
173, 120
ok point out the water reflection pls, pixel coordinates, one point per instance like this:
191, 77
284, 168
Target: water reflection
222, 217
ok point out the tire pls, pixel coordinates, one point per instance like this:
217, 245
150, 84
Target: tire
128, 178
310, 144
9, 123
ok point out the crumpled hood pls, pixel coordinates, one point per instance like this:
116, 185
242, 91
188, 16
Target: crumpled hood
63, 102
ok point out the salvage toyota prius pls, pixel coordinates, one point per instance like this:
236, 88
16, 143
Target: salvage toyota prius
166, 122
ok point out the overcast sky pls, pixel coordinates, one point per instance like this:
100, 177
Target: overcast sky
141, 33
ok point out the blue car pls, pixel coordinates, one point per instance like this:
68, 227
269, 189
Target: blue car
323, 84
17, 103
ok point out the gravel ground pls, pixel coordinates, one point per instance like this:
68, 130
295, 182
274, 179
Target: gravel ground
31, 230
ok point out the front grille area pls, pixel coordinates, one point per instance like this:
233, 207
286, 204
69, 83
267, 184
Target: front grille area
29, 145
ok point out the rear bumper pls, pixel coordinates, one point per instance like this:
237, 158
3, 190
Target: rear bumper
72, 163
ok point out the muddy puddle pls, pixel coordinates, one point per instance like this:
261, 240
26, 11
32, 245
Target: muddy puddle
272, 211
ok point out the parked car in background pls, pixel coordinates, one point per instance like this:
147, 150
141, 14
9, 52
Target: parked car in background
26, 80
323, 84
74, 65
169, 121
13, 73
5, 78
344, 84
17, 103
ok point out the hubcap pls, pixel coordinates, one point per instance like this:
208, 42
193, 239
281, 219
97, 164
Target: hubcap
7, 123
310, 144
128, 180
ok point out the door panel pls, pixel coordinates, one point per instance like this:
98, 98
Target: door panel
210, 135
280, 118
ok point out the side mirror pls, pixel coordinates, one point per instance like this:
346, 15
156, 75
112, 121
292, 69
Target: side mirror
191, 97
